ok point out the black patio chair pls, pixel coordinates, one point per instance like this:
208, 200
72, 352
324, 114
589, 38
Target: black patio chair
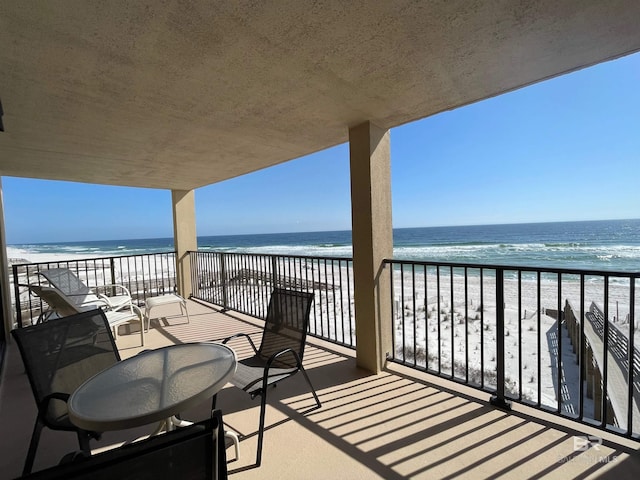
58, 356
194, 452
280, 353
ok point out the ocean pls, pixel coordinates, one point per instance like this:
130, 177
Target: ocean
612, 245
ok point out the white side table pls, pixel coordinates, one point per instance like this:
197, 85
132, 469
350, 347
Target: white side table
164, 300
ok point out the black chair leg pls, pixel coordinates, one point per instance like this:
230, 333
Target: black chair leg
263, 411
306, 377
33, 446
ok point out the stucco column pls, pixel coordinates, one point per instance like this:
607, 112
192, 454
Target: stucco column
184, 236
5, 291
370, 159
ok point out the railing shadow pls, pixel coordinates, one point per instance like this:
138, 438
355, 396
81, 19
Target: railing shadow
400, 423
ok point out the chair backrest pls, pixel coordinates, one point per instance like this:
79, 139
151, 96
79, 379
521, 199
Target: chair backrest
194, 452
286, 325
59, 355
56, 299
68, 283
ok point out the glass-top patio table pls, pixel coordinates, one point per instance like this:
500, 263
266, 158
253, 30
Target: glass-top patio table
152, 386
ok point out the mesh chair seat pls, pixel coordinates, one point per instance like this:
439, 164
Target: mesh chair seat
250, 378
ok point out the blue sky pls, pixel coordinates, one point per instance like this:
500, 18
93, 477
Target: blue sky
565, 149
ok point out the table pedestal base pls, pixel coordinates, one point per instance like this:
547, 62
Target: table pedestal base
171, 423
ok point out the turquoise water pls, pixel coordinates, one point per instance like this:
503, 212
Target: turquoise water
596, 245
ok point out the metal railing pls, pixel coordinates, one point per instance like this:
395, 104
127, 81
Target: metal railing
559, 340
243, 283
143, 275
524, 334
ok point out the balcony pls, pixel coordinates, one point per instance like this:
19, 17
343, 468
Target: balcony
403, 423
409, 420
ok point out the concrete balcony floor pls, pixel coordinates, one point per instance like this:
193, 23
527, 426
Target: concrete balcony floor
399, 424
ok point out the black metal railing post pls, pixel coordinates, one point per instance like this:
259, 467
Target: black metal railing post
274, 271
16, 289
112, 266
631, 352
223, 279
605, 354
193, 273
499, 399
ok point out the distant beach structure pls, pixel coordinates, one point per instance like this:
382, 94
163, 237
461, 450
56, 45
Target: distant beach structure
17, 261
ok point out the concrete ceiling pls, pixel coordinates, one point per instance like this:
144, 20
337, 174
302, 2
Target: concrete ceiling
179, 94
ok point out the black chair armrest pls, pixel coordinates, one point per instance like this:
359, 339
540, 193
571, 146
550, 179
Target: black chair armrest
44, 407
44, 404
272, 358
237, 335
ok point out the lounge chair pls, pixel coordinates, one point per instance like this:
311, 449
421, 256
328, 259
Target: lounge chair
58, 357
281, 350
64, 306
80, 294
